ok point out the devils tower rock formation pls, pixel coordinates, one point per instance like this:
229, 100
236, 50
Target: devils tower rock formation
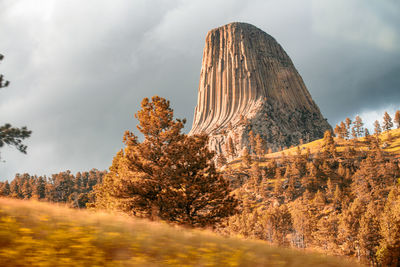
249, 83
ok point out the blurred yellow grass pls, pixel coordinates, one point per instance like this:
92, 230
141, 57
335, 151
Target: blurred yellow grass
40, 234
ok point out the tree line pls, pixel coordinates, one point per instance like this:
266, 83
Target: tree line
64, 187
355, 129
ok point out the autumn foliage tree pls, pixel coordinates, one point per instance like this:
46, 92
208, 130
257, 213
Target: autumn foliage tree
169, 175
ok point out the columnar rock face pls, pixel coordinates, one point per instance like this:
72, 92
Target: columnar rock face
249, 83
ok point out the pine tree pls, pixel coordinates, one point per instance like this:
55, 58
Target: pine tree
377, 129
328, 145
259, 146
63, 183
348, 127
304, 221
349, 226
337, 131
325, 232
252, 143
372, 181
246, 158
256, 173
3, 82
15, 188
388, 253
105, 193
330, 189
397, 119
369, 235
279, 220
358, 127
169, 175
5, 190
278, 185
343, 130
9, 135
26, 189
387, 122
337, 198
39, 189
231, 148
309, 181
319, 199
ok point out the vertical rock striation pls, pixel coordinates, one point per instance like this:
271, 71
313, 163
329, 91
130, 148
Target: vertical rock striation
249, 83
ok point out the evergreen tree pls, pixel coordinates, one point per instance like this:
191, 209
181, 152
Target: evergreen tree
63, 183
3, 82
246, 158
369, 235
15, 188
170, 175
39, 189
325, 233
343, 130
279, 220
328, 146
26, 189
348, 127
231, 148
349, 226
337, 131
337, 198
252, 143
5, 189
259, 146
309, 181
10, 135
358, 127
377, 129
388, 253
397, 119
278, 185
387, 122
106, 192
304, 222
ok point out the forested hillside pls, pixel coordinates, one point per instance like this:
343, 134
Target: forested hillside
339, 195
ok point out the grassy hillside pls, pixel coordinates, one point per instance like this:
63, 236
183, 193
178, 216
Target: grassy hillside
392, 146
40, 234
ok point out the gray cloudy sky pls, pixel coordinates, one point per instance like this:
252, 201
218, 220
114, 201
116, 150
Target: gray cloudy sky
79, 69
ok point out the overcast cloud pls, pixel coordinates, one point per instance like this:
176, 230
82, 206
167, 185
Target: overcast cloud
79, 69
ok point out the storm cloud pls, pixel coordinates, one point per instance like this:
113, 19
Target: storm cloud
79, 69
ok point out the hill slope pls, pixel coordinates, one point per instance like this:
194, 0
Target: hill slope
40, 234
391, 146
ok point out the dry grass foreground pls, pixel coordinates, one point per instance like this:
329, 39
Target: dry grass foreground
40, 234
